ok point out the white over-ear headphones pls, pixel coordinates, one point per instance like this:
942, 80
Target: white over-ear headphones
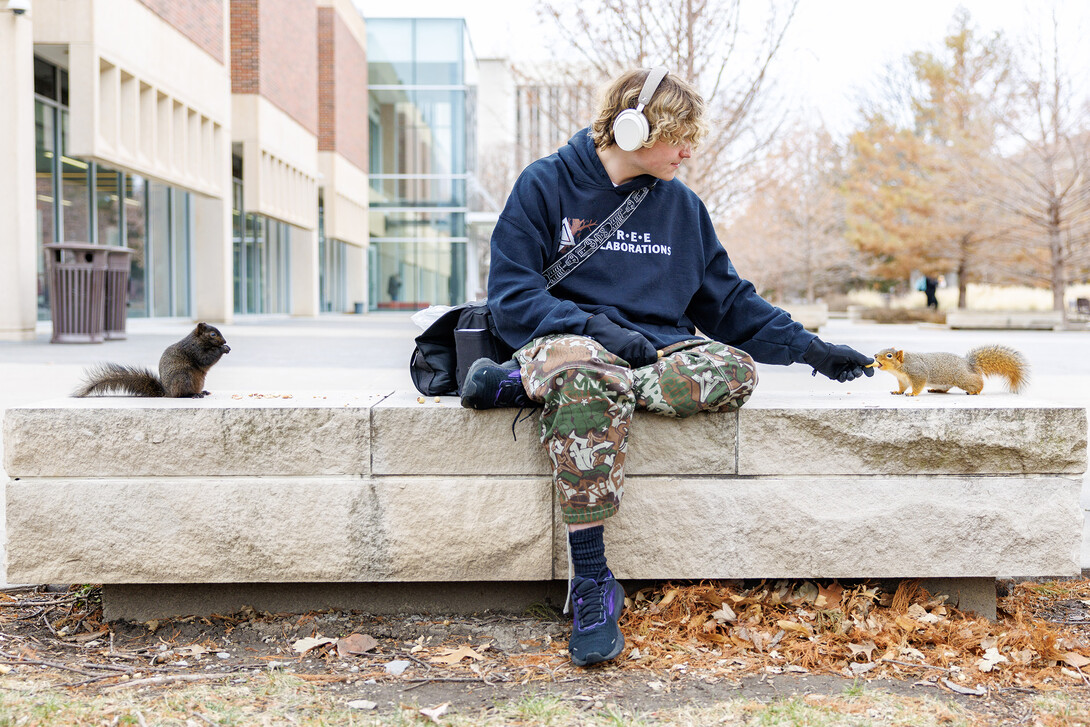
630, 129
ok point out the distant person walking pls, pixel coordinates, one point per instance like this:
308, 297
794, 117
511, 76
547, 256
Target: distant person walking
393, 287
929, 286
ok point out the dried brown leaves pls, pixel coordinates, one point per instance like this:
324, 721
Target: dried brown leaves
856, 630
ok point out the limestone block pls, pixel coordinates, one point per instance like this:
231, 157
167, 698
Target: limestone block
409, 437
928, 434
269, 529
215, 436
843, 527
429, 437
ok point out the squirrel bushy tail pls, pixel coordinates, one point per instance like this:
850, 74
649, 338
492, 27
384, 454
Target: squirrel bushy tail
1001, 361
131, 380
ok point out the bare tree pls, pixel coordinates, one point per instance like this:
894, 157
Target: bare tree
789, 237
1047, 174
710, 43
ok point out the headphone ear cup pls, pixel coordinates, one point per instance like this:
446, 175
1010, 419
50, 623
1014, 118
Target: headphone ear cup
630, 129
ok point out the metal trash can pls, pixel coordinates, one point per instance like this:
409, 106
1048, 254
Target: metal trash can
77, 291
117, 291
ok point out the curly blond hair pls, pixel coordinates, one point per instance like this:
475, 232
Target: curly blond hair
675, 113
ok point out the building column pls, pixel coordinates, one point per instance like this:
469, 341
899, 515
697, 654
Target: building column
355, 260
213, 257
213, 248
304, 271
18, 211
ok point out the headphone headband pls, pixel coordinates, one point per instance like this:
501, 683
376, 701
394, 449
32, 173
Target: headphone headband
654, 78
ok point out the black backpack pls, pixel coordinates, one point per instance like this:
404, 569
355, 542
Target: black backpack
455, 340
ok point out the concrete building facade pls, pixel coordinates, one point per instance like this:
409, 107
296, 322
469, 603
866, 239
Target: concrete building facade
215, 138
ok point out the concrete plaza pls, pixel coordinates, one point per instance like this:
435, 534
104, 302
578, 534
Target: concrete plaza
368, 354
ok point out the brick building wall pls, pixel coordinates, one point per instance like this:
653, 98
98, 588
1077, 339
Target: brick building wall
274, 52
327, 83
244, 46
342, 89
199, 20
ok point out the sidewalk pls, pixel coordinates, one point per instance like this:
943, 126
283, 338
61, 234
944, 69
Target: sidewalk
370, 354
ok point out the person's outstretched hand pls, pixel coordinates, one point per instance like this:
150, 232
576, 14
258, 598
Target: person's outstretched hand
628, 344
839, 363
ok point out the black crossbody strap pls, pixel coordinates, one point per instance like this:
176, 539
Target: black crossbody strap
574, 258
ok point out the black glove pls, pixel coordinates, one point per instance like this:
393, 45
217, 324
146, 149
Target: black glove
839, 363
629, 345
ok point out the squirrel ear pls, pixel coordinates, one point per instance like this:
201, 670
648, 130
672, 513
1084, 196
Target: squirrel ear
900, 355
202, 326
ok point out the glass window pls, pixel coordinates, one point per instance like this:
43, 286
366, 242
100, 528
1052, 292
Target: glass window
421, 132
135, 238
179, 248
390, 40
262, 261
255, 262
108, 206
334, 292
419, 224
418, 160
402, 191
238, 250
75, 192
158, 248
45, 79
374, 140
438, 52
332, 268
323, 257
413, 275
339, 275
274, 236
45, 160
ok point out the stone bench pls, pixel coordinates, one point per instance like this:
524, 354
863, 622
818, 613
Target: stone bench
1020, 320
381, 502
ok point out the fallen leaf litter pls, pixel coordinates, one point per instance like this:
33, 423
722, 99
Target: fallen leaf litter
711, 631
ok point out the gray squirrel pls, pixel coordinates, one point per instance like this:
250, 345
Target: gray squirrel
182, 369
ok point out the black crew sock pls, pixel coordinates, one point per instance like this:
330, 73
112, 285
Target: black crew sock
588, 552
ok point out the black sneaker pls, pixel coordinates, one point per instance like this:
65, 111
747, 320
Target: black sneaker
595, 635
489, 385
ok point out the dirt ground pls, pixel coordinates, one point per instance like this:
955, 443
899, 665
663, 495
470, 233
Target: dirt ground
685, 645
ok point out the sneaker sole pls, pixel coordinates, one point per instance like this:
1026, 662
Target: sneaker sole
592, 659
597, 658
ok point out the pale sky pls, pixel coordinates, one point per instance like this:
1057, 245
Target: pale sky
833, 49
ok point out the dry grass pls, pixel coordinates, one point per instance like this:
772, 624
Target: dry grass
285, 700
697, 640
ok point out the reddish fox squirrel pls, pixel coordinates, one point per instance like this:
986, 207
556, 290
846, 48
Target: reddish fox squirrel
941, 371
182, 369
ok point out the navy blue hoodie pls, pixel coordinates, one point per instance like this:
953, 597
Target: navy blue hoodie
664, 273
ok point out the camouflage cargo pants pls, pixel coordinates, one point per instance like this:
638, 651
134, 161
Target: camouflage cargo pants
589, 396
